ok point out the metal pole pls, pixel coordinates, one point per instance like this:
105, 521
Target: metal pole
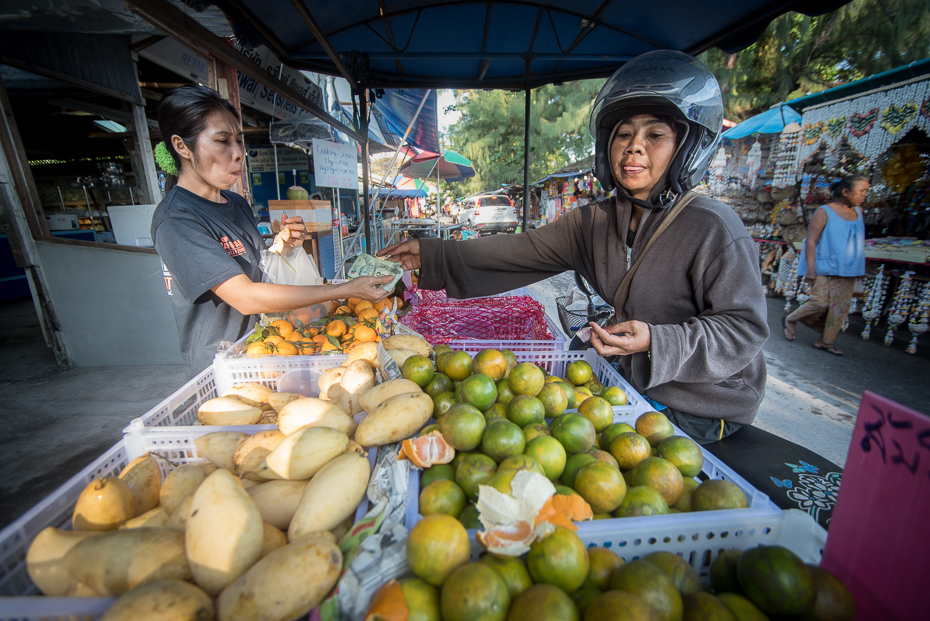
340, 271
363, 123
526, 151
438, 194
274, 145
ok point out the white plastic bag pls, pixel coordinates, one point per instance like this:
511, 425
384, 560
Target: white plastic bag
294, 269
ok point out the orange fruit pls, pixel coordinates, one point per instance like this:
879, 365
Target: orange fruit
294, 336
495, 411
629, 448
364, 334
343, 310
312, 331
501, 480
257, 349
285, 348
595, 386
462, 426
569, 389
601, 485
607, 436
335, 328
490, 362
680, 571
353, 302
418, 369
684, 453
383, 305
389, 603
535, 430
641, 500
442, 496
526, 379
605, 457
504, 394
572, 465
308, 350
550, 454
512, 570
554, 399
574, 431
422, 599
474, 592
437, 544
683, 503
362, 305
442, 348
652, 585
655, 427
367, 314
560, 559
441, 404
479, 390
526, 410
543, 602
469, 517
274, 339
615, 396
320, 339
521, 462
327, 346
457, 365
439, 383
283, 327
579, 372
426, 450
434, 473
502, 439
475, 469
718, 494
662, 476
602, 562
598, 411
619, 606
511, 360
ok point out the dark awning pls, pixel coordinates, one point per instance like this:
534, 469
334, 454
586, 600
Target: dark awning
492, 43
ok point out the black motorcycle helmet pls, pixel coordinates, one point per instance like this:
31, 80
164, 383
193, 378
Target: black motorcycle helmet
662, 83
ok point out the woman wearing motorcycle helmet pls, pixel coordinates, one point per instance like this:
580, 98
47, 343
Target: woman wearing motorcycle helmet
689, 334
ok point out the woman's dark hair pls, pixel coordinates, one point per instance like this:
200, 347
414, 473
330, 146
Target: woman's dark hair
846, 183
183, 112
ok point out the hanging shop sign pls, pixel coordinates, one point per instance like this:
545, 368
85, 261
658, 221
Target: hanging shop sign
335, 165
261, 159
870, 124
175, 57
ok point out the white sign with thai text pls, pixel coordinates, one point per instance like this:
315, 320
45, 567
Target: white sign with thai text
335, 165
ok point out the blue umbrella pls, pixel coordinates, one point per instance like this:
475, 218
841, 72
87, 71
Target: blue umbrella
769, 122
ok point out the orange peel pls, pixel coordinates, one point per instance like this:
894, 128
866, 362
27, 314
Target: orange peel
427, 450
565, 510
389, 604
509, 520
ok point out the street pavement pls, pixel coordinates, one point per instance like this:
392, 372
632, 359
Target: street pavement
57, 421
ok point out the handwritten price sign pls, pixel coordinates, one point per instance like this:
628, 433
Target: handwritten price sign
879, 541
335, 165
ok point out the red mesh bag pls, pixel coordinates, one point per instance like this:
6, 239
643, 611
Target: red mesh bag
441, 319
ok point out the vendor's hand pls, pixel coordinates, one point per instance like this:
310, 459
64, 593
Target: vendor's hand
297, 228
406, 253
811, 275
367, 288
621, 339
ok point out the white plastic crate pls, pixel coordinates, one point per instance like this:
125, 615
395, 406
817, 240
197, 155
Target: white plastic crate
176, 445
180, 408
713, 468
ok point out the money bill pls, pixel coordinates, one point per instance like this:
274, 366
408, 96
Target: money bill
367, 265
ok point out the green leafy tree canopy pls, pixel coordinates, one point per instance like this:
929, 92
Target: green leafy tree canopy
491, 127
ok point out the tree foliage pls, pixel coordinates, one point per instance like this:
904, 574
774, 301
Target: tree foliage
490, 132
797, 55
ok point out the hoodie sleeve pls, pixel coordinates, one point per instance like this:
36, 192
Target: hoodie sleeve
719, 342
499, 263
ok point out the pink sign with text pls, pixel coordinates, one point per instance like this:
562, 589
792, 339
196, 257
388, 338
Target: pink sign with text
879, 538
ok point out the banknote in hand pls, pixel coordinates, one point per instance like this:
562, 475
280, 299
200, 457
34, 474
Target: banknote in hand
367, 265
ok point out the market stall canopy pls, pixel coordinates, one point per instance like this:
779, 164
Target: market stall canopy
494, 43
914, 70
451, 167
769, 122
398, 107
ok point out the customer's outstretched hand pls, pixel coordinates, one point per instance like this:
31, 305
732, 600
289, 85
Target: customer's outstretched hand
406, 253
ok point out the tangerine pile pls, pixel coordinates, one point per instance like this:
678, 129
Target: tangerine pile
354, 321
502, 416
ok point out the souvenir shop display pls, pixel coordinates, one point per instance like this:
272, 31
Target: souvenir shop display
920, 314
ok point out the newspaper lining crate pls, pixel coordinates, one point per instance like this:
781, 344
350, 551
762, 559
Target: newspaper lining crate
171, 446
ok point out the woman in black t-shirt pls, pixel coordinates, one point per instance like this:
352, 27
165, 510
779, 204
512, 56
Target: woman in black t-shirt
206, 235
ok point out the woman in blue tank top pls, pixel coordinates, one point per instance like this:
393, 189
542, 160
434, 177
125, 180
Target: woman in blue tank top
832, 258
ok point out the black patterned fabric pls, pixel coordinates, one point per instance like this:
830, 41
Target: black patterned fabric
791, 475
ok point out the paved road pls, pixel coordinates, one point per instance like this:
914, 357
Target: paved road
812, 397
